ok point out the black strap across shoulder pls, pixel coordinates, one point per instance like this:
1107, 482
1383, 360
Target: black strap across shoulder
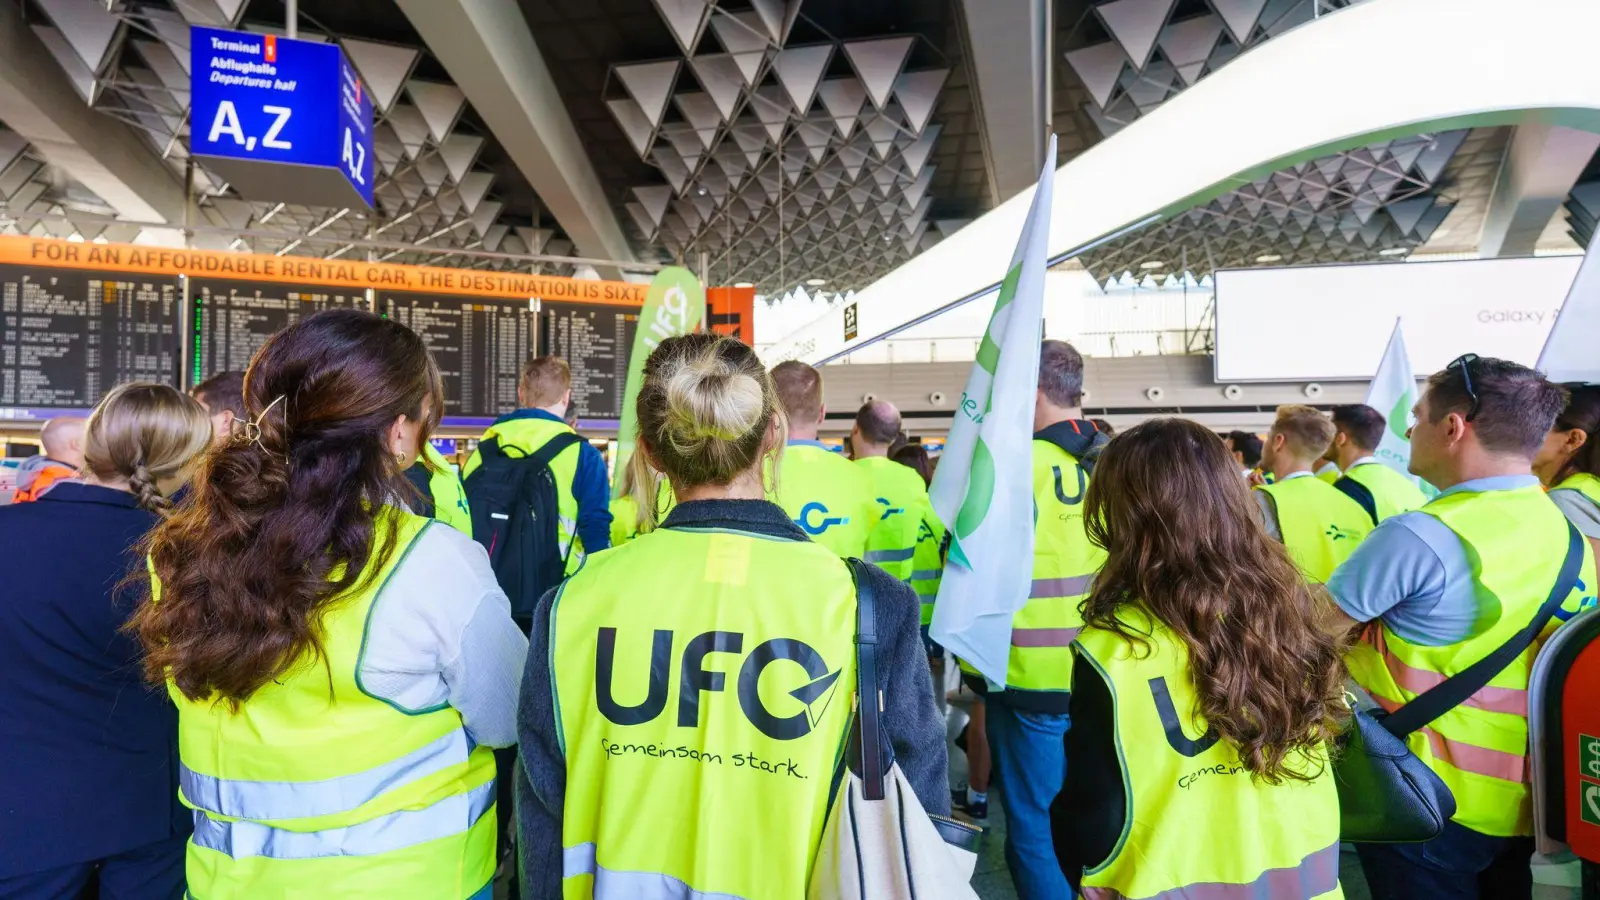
1455, 690
554, 446
1361, 494
868, 716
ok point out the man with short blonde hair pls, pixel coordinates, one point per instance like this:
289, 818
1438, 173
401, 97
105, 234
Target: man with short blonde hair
1317, 523
545, 381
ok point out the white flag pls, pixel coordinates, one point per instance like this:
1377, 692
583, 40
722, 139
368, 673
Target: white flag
983, 489
1568, 354
1393, 392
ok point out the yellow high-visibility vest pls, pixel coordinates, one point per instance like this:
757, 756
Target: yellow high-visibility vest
1197, 824
448, 493
525, 435
316, 788
703, 683
927, 561
625, 514
1582, 482
1392, 492
1320, 525
1039, 671
829, 497
1480, 748
900, 494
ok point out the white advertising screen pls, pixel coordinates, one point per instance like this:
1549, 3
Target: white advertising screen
1327, 323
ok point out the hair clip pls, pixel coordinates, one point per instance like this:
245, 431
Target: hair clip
252, 430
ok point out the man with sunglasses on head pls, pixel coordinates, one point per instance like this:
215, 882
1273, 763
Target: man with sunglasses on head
1444, 587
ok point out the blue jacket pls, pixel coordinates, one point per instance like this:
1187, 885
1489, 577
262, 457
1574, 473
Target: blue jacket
88, 751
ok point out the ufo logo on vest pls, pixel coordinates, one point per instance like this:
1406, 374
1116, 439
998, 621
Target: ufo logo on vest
696, 679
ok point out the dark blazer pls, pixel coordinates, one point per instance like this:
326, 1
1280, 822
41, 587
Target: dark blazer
88, 752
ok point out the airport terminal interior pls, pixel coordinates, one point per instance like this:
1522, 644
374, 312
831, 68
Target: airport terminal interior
453, 249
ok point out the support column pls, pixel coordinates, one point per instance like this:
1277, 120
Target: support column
1540, 168
1009, 87
490, 53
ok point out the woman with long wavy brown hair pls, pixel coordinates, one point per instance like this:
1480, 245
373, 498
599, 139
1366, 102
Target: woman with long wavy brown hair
340, 667
1206, 689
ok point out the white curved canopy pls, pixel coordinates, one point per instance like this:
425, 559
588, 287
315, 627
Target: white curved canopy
1454, 64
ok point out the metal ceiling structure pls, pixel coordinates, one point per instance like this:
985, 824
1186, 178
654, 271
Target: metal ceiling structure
789, 152
436, 197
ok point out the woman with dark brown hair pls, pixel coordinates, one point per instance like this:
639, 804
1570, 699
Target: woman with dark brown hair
1569, 461
1206, 690
341, 667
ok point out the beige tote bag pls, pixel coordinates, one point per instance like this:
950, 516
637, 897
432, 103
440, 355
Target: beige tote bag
879, 843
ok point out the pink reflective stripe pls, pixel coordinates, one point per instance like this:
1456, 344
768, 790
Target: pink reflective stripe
1316, 875
1071, 586
1510, 767
1417, 681
1043, 637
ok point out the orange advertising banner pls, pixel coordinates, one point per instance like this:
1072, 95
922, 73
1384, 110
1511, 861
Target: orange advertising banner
311, 271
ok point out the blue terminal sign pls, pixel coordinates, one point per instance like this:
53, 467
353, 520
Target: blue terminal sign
281, 120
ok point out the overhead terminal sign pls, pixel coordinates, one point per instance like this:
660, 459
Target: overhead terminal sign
282, 120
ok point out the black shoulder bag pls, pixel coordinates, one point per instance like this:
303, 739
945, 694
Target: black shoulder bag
1386, 794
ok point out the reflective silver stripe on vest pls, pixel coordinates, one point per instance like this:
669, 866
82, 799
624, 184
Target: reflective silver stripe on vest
304, 799
883, 556
1071, 586
1316, 875
926, 574
396, 831
610, 885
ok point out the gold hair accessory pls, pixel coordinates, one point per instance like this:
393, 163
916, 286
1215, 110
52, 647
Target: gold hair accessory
252, 430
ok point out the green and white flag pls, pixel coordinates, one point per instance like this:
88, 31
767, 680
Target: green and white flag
675, 304
1393, 392
983, 489
1568, 356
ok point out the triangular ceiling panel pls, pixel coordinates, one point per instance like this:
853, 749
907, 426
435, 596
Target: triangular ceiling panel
916, 155
459, 152
409, 127
384, 68
1135, 24
440, 105
743, 36
719, 75
654, 200
1099, 67
800, 70
1240, 16
650, 84
917, 92
634, 123
702, 115
843, 98
1188, 44
686, 19
878, 63
778, 17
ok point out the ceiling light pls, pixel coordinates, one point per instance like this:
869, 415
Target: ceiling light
743, 284
1394, 251
1270, 257
816, 282
701, 191
1153, 264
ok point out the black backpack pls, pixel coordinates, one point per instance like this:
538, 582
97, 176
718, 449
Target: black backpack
515, 508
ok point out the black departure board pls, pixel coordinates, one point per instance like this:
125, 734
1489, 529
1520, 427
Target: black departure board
232, 319
595, 340
479, 343
67, 335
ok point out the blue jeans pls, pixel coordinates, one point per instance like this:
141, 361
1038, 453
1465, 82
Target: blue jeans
1030, 764
1460, 864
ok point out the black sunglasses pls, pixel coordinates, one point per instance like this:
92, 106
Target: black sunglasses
1464, 363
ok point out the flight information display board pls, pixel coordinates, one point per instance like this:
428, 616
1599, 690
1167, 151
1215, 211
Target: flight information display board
232, 319
595, 340
68, 335
479, 344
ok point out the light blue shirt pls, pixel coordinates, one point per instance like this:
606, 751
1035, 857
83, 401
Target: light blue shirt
1412, 571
